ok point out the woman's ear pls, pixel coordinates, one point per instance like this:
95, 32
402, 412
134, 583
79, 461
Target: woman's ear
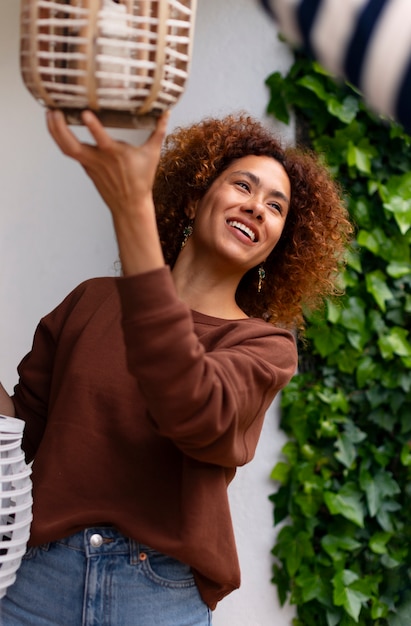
191, 209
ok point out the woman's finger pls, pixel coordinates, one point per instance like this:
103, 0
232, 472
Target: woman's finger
97, 130
157, 136
62, 135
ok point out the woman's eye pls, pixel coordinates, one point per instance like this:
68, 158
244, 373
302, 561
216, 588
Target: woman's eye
243, 185
275, 206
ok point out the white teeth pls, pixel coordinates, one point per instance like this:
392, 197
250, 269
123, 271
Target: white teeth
244, 229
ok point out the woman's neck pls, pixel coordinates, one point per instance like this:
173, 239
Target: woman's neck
206, 291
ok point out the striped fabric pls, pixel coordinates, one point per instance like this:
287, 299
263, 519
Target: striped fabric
366, 41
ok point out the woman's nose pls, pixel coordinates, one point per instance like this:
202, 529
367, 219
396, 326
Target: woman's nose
256, 208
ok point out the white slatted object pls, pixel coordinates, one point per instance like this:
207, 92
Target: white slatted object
15, 500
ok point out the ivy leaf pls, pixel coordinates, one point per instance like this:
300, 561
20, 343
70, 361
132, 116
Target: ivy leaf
281, 472
359, 340
347, 502
326, 339
405, 455
396, 195
282, 581
360, 210
391, 247
369, 240
313, 587
398, 340
334, 617
382, 454
344, 359
353, 314
292, 548
344, 595
406, 423
378, 542
384, 516
403, 612
344, 578
281, 501
290, 450
379, 609
309, 501
345, 444
376, 283
367, 369
347, 451
345, 111
354, 260
314, 84
389, 562
376, 396
395, 342
335, 399
334, 545
374, 499
398, 270
333, 312
377, 322
360, 155
278, 103
384, 420
377, 488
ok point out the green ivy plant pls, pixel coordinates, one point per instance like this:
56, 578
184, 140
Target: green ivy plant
343, 497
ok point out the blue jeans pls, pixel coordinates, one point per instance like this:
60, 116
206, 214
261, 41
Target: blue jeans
98, 577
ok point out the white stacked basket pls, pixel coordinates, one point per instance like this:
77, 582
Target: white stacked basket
15, 500
127, 60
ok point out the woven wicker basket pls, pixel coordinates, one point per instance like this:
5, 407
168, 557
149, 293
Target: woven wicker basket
15, 500
127, 60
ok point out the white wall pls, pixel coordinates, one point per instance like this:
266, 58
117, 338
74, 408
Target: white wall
55, 232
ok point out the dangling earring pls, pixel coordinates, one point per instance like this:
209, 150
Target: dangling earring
261, 277
187, 232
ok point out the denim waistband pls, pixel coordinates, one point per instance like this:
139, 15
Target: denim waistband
105, 540
100, 577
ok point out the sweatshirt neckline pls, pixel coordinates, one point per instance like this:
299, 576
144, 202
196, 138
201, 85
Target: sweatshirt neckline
218, 321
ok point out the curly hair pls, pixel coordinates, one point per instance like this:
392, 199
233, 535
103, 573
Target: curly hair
305, 264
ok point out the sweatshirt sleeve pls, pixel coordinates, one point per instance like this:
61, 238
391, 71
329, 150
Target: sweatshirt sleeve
32, 394
364, 41
211, 404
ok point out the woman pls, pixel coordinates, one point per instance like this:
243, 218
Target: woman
142, 394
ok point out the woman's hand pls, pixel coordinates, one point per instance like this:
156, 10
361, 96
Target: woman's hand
124, 176
6, 403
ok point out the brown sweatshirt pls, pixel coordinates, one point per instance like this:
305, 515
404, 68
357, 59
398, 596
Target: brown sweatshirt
137, 413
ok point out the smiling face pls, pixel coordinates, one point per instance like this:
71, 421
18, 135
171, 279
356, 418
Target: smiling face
241, 217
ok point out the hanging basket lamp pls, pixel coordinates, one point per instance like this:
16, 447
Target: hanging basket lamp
126, 60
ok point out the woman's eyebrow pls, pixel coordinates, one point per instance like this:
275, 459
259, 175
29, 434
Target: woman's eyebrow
255, 179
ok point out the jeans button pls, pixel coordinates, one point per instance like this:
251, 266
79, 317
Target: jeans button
96, 541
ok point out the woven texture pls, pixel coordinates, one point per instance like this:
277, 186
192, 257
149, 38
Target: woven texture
127, 57
15, 501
